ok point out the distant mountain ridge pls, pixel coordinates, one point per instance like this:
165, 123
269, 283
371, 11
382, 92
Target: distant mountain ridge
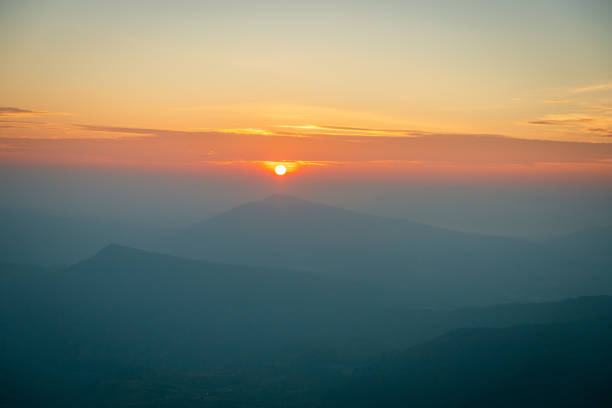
435, 266
448, 267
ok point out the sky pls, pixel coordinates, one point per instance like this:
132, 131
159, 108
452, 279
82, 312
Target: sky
379, 93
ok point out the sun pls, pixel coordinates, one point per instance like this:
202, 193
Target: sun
280, 170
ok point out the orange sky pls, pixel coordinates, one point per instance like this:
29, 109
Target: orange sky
426, 155
387, 89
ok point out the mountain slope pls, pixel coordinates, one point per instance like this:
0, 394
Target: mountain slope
131, 306
440, 267
566, 365
128, 318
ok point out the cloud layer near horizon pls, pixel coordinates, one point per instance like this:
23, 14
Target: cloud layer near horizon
162, 148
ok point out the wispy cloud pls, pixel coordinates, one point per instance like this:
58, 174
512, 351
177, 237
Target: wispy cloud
167, 147
565, 122
602, 107
593, 88
561, 120
602, 131
121, 129
595, 125
244, 131
7, 111
558, 100
356, 131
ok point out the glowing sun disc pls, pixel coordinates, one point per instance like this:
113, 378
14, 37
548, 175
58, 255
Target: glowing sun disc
280, 170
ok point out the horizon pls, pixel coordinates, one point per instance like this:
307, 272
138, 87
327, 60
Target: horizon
172, 200
420, 111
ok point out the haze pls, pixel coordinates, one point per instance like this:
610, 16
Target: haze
305, 203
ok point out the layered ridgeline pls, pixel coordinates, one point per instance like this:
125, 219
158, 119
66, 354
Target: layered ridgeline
433, 266
438, 267
133, 326
545, 365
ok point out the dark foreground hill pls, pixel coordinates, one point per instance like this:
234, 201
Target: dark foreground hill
134, 328
560, 365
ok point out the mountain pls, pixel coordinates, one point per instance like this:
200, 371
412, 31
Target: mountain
125, 322
439, 267
126, 305
433, 266
562, 365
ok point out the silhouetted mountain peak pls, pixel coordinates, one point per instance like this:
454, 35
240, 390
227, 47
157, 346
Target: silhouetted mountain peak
280, 207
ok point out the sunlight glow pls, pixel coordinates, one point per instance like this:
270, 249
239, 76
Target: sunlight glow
280, 170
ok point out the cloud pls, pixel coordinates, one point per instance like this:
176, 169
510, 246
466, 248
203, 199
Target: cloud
560, 120
602, 107
602, 131
120, 129
565, 122
246, 131
578, 125
558, 100
593, 88
176, 148
8, 111
16, 127
356, 131
298, 131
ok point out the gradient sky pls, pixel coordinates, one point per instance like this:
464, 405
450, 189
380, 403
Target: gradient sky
404, 69
391, 90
